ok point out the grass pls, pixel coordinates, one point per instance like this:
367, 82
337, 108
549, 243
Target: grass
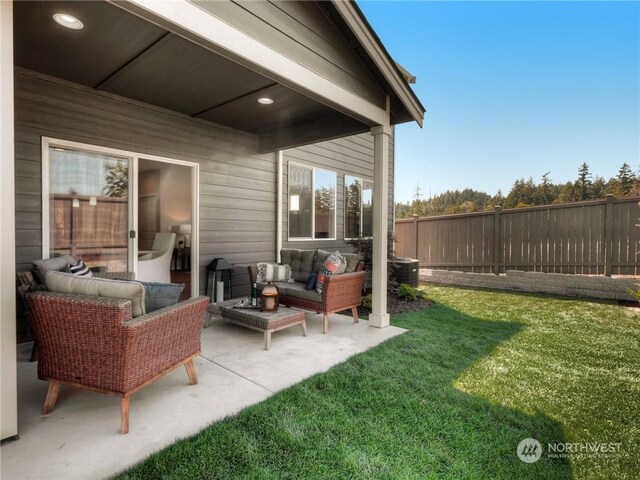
451, 398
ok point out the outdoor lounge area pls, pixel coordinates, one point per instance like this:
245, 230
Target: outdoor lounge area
233, 372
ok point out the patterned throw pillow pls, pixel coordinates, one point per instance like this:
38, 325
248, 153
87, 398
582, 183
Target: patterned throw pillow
333, 265
80, 269
272, 272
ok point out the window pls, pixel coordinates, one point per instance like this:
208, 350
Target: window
88, 207
312, 203
358, 207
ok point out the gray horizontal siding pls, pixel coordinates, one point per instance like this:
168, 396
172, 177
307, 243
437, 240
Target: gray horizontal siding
346, 156
237, 185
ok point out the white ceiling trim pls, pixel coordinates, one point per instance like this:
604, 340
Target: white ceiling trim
366, 38
252, 53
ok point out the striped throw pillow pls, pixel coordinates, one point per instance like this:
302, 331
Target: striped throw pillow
79, 268
272, 272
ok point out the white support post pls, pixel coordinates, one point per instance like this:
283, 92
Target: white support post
379, 316
280, 156
8, 375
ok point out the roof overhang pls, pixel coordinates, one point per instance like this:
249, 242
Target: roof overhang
197, 59
201, 27
372, 44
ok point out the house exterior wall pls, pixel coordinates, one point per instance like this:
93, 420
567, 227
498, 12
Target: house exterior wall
238, 185
345, 156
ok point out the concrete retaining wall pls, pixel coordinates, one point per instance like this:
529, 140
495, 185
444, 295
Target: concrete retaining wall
553, 283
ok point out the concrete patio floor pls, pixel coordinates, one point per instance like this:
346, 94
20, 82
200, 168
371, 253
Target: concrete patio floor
81, 439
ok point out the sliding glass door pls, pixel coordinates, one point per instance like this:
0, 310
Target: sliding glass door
89, 207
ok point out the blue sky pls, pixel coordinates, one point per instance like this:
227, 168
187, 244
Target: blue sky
514, 89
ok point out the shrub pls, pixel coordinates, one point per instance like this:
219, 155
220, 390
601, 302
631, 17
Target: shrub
367, 301
407, 291
635, 293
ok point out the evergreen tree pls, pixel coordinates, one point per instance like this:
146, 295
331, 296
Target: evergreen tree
583, 185
624, 181
544, 194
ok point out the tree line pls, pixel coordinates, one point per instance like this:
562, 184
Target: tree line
524, 193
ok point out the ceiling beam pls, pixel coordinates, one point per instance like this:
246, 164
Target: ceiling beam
202, 27
239, 97
130, 61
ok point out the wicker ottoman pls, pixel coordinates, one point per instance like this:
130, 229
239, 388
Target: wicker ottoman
267, 322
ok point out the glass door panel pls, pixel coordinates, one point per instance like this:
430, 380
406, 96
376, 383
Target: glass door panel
89, 207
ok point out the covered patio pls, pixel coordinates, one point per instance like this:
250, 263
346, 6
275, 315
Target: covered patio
81, 439
188, 81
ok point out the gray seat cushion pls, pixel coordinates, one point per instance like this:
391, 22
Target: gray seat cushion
352, 261
56, 264
304, 294
301, 262
281, 285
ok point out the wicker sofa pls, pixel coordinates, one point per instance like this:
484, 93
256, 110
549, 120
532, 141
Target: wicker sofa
341, 292
94, 343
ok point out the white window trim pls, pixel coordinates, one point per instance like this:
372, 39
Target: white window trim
48, 142
313, 205
344, 202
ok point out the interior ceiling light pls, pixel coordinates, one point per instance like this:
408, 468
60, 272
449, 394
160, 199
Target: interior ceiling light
265, 100
68, 21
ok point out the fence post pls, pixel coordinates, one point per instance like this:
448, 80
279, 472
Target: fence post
608, 236
415, 229
496, 239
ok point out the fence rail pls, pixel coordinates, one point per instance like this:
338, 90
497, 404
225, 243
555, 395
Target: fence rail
597, 237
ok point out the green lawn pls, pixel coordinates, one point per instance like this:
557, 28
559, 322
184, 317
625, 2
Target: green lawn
451, 398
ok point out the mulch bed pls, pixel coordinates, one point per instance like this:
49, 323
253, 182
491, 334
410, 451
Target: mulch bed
396, 305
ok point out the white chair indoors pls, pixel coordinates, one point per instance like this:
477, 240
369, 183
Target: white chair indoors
156, 267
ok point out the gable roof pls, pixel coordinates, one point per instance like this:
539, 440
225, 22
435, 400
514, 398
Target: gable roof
396, 77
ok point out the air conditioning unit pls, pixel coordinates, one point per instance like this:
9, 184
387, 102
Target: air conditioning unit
406, 270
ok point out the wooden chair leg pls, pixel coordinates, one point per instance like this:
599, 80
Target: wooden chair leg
191, 371
304, 327
52, 396
124, 415
354, 311
267, 339
325, 317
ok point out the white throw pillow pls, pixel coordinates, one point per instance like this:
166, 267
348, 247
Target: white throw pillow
272, 272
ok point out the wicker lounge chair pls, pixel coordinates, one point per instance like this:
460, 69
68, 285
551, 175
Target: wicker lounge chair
94, 343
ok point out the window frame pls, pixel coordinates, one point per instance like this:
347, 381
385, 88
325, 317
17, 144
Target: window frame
361, 180
313, 204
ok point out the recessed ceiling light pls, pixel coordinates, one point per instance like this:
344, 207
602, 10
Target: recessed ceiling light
68, 21
265, 100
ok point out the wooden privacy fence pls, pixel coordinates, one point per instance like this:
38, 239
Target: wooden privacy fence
598, 237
